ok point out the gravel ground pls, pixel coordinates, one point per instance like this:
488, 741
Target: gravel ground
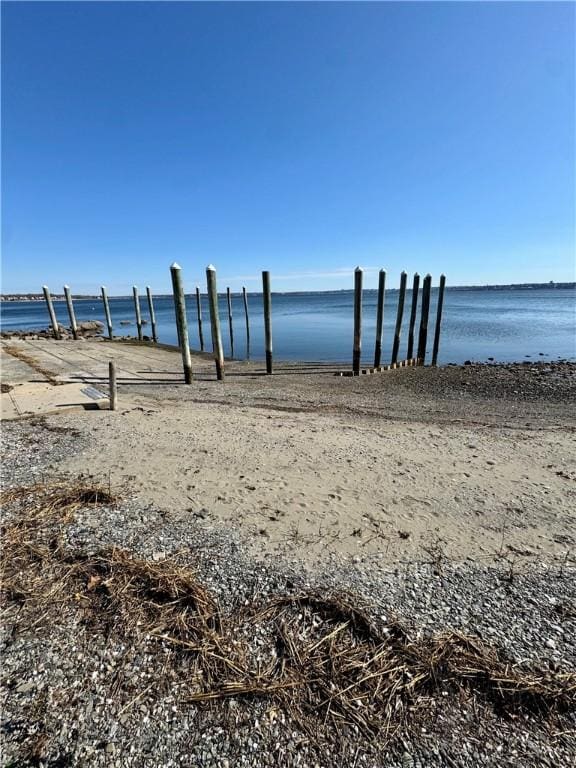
527, 395
75, 696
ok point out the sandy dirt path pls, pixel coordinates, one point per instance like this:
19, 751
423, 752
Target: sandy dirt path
306, 486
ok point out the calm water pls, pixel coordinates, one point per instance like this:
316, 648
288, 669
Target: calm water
507, 325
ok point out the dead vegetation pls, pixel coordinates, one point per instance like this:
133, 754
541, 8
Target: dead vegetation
323, 659
15, 351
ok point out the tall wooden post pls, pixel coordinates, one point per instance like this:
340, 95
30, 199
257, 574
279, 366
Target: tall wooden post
199, 314
137, 312
215, 321
52, 314
245, 297
267, 299
107, 310
71, 313
152, 314
399, 316
413, 309
379, 317
423, 334
438, 319
181, 320
358, 274
231, 328
112, 388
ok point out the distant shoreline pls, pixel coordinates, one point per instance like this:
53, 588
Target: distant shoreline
10, 297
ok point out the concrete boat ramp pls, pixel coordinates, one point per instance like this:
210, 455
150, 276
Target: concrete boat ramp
47, 376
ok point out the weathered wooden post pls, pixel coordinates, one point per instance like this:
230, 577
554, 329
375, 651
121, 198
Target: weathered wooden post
413, 309
107, 310
423, 334
245, 297
379, 317
199, 314
438, 319
112, 388
181, 321
267, 300
229, 300
215, 321
71, 313
358, 274
137, 311
152, 314
53, 321
399, 316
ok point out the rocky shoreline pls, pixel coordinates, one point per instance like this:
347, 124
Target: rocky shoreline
90, 329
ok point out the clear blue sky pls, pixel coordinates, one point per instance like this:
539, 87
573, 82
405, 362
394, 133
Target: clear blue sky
304, 138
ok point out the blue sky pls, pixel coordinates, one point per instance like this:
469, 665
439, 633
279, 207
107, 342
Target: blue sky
303, 138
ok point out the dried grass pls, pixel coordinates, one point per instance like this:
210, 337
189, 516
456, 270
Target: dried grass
18, 353
323, 658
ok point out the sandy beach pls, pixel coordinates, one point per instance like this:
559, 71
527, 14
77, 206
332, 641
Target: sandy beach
443, 497
472, 461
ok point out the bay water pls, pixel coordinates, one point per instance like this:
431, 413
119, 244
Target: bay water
505, 324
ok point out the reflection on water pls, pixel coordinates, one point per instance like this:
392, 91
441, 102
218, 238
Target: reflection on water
504, 324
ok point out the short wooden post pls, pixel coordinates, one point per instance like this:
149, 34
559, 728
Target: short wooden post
199, 314
413, 309
181, 321
152, 314
107, 310
230, 326
438, 319
71, 313
137, 311
399, 316
267, 299
245, 297
358, 274
112, 387
379, 317
215, 321
53, 321
423, 334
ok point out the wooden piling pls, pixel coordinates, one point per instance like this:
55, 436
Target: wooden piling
358, 275
112, 387
379, 317
199, 315
152, 314
215, 321
423, 334
51, 313
230, 326
267, 299
399, 316
413, 310
245, 297
137, 312
71, 313
106, 310
440, 306
181, 320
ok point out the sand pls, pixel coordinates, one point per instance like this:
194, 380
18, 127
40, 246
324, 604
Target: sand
307, 485
460, 462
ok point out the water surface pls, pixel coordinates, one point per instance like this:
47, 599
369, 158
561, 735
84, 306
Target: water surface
506, 324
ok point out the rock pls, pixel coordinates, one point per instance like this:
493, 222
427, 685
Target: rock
25, 687
125, 322
91, 325
550, 643
467, 362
